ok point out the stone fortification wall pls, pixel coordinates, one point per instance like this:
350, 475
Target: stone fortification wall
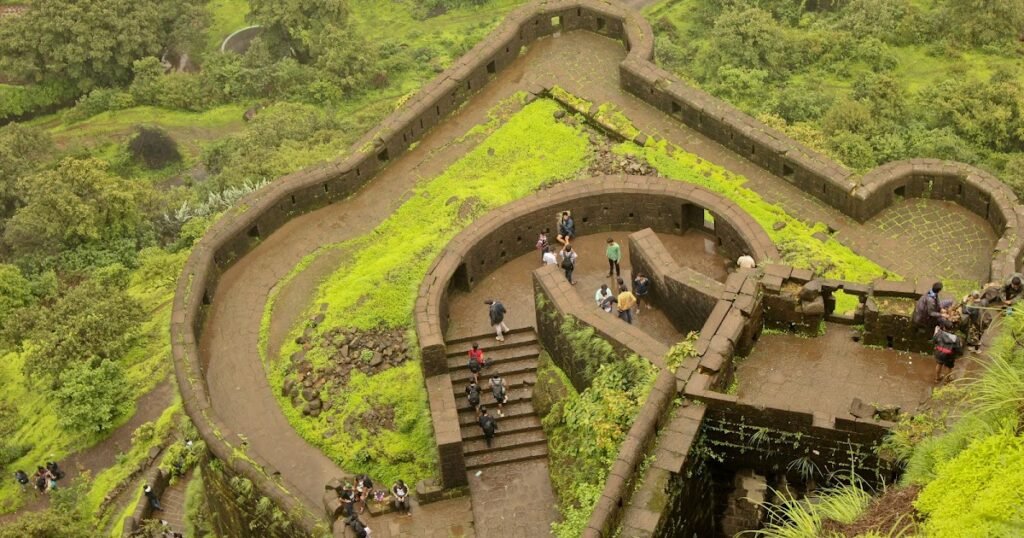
156, 479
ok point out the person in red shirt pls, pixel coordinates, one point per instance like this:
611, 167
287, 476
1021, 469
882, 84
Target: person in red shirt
476, 361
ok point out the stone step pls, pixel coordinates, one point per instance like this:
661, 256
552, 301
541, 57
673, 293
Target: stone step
521, 453
460, 361
504, 441
507, 369
506, 424
463, 343
515, 408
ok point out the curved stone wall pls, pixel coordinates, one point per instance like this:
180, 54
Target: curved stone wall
262, 212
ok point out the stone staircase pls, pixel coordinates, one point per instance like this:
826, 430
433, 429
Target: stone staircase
173, 502
519, 436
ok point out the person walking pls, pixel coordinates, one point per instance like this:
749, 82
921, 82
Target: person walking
626, 301
473, 396
566, 229
497, 311
476, 361
548, 258
22, 479
401, 493
488, 425
569, 257
500, 392
614, 254
948, 348
641, 287
151, 496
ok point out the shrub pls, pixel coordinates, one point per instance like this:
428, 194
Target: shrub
99, 101
91, 399
27, 101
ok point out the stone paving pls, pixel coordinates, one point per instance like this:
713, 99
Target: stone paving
581, 62
513, 500
452, 518
826, 373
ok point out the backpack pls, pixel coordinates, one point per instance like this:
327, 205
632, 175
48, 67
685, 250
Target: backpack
948, 344
21, 477
473, 394
474, 366
498, 389
567, 263
358, 528
489, 425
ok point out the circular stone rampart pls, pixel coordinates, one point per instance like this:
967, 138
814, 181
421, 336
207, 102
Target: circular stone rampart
620, 203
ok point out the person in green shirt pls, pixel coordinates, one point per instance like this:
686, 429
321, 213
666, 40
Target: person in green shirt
614, 253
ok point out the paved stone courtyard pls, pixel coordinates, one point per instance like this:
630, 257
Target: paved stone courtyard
826, 373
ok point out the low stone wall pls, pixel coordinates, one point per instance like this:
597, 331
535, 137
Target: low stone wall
158, 480
687, 296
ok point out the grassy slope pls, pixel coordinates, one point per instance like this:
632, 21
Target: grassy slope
378, 286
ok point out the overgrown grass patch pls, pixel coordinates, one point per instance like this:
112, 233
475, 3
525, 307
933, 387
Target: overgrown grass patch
377, 285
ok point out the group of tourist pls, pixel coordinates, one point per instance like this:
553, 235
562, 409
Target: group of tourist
497, 386
951, 325
45, 478
622, 301
356, 495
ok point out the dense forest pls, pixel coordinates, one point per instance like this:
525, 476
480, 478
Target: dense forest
124, 139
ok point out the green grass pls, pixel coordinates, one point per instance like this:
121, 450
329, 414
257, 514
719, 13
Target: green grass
226, 16
377, 286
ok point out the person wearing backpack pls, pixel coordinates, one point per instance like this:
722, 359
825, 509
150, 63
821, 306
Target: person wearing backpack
948, 348
22, 479
358, 527
500, 392
569, 257
496, 314
927, 311
488, 425
473, 396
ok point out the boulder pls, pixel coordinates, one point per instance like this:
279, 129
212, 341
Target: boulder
288, 385
376, 360
315, 403
860, 409
810, 290
778, 225
309, 394
813, 308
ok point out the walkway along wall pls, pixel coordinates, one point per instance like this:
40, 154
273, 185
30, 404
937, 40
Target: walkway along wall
262, 212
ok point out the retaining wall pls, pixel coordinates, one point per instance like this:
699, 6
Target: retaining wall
158, 480
262, 212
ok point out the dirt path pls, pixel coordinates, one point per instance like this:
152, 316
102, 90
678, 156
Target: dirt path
103, 455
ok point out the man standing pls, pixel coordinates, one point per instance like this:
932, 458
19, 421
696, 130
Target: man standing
928, 311
948, 348
614, 253
496, 311
626, 301
569, 262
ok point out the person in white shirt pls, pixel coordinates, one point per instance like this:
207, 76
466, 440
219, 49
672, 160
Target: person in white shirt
746, 262
604, 298
549, 258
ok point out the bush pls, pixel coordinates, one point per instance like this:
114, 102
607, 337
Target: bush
154, 148
99, 101
92, 398
28, 101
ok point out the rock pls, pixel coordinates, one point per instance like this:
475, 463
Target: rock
778, 225
820, 236
813, 308
376, 360
315, 404
860, 409
890, 413
327, 406
318, 319
344, 350
640, 139
810, 291
314, 413
296, 400
559, 114
301, 340
329, 433
309, 394
288, 385
304, 367
323, 307
250, 113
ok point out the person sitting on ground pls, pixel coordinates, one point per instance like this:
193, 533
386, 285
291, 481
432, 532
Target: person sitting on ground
604, 298
473, 396
22, 479
746, 261
928, 311
548, 257
626, 301
488, 425
401, 493
1013, 291
500, 392
948, 348
566, 228
348, 499
364, 489
641, 287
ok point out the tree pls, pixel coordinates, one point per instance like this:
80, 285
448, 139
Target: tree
15, 291
981, 22
92, 43
77, 203
748, 38
92, 322
154, 148
92, 397
49, 523
21, 149
295, 24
